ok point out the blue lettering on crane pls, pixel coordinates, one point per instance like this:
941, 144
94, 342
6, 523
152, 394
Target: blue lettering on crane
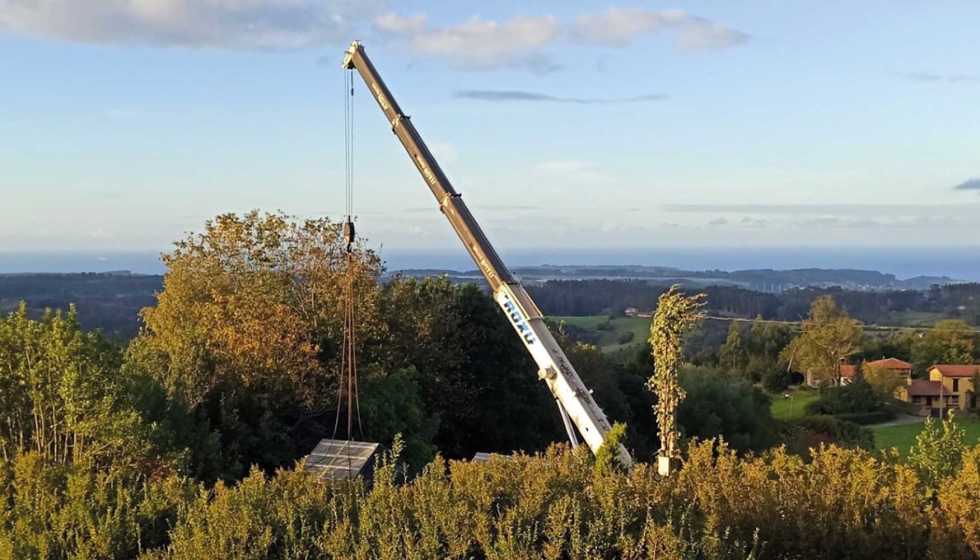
518, 319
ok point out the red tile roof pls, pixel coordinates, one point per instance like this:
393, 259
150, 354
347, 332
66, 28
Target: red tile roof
923, 388
847, 371
956, 371
891, 363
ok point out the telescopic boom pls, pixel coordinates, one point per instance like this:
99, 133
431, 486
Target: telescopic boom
574, 399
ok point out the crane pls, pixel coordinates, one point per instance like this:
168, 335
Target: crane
574, 400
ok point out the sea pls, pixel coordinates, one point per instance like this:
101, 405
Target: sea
959, 263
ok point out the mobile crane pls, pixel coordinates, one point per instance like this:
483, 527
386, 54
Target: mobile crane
574, 400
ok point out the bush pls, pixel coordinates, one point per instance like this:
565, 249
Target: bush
828, 429
732, 409
625, 337
844, 503
776, 380
865, 418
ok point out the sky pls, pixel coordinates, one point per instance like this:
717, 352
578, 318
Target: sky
125, 124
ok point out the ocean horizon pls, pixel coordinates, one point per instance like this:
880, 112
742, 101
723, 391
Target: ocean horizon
960, 263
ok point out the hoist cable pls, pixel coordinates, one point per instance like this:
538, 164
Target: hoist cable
347, 383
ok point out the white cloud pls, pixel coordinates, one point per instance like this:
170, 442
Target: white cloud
520, 42
618, 27
232, 24
478, 44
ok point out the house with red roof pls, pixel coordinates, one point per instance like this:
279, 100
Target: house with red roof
949, 387
894, 366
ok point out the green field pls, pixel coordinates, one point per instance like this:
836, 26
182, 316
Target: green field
917, 318
639, 326
787, 409
903, 437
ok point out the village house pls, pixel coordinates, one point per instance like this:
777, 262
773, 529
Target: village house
894, 366
949, 387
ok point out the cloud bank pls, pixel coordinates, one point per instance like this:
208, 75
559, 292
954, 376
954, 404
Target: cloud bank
227, 24
503, 96
520, 42
934, 77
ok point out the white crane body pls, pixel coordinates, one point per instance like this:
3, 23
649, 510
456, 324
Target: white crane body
574, 400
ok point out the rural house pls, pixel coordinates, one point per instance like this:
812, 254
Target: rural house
949, 387
894, 366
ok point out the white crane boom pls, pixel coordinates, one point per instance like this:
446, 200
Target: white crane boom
574, 399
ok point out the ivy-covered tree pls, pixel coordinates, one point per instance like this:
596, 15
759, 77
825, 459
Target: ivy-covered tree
675, 314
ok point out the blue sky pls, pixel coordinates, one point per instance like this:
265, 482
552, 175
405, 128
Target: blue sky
124, 124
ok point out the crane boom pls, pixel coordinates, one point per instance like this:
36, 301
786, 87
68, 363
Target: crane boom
574, 399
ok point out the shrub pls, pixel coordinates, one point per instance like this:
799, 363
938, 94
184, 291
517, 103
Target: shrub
625, 337
776, 380
865, 418
828, 429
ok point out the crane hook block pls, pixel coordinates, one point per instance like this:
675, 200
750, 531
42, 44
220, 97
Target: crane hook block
349, 234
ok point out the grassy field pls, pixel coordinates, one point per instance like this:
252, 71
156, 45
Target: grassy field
917, 318
786, 409
639, 326
903, 437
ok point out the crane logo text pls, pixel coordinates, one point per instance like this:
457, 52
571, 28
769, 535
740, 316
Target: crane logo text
522, 327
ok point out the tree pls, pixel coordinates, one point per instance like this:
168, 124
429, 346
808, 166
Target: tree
828, 337
719, 406
63, 396
674, 316
473, 373
247, 330
884, 381
938, 450
949, 342
732, 357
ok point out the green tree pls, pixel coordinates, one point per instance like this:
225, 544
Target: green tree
62, 395
884, 381
732, 357
247, 330
674, 316
828, 337
473, 372
938, 450
948, 342
718, 406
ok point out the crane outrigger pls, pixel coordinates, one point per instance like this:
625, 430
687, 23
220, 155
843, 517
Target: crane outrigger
578, 408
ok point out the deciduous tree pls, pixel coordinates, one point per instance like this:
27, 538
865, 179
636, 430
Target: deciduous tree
828, 338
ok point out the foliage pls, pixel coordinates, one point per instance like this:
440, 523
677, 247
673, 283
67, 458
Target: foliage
63, 397
731, 409
732, 358
776, 380
828, 337
607, 458
472, 372
675, 314
856, 397
938, 450
819, 430
390, 405
866, 418
246, 333
883, 381
843, 503
79, 511
949, 342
